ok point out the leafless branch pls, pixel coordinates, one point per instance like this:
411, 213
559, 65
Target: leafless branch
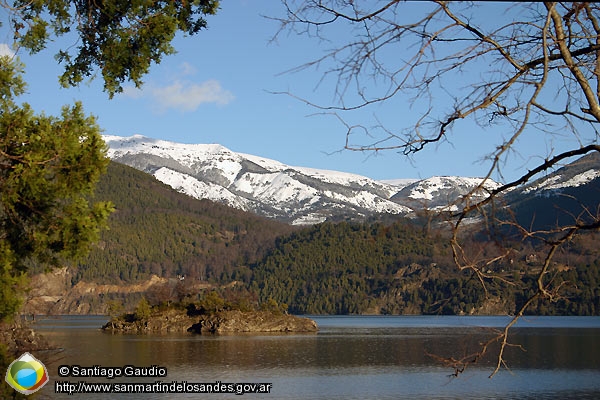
536, 71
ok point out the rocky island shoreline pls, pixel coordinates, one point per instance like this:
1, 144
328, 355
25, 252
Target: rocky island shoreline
221, 322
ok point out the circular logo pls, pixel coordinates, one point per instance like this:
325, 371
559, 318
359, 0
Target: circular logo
26, 374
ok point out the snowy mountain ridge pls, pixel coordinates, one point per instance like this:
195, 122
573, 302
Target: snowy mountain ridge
252, 183
297, 195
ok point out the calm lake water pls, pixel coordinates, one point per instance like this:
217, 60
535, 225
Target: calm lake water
360, 357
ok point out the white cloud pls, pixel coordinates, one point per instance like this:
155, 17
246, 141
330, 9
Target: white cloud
182, 94
5, 50
188, 96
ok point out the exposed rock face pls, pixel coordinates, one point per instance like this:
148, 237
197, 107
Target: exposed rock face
18, 339
221, 322
494, 306
161, 322
53, 294
255, 321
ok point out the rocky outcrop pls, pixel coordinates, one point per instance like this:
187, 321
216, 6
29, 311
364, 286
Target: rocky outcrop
160, 322
19, 339
254, 321
493, 306
232, 321
52, 293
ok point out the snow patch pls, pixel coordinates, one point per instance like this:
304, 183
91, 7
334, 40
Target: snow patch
428, 189
557, 182
200, 190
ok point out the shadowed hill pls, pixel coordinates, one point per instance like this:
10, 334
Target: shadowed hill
156, 230
345, 268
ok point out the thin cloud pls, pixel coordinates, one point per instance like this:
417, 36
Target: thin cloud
187, 96
184, 96
187, 69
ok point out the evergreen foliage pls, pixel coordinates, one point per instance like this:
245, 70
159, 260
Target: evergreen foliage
48, 168
156, 230
142, 310
213, 301
342, 268
7, 392
350, 268
120, 38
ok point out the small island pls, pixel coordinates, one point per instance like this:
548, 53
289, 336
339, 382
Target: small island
210, 316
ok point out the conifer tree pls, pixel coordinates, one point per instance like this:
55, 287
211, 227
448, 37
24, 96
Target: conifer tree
49, 165
48, 169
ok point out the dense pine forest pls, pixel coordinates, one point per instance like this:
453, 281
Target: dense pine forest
390, 266
156, 230
345, 268
350, 268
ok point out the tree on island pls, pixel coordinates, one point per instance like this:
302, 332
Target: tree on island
518, 69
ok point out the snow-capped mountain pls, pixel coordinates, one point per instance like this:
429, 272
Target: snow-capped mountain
567, 195
301, 195
297, 195
443, 192
578, 173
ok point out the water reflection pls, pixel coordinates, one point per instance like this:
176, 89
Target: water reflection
347, 360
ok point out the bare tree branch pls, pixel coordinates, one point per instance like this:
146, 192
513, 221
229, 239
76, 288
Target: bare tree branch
536, 69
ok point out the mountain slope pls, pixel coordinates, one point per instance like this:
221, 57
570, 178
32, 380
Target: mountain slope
292, 194
156, 230
299, 195
374, 268
326, 268
560, 198
441, 192
296, 195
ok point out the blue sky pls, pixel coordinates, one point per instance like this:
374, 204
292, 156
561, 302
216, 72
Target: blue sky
217, 89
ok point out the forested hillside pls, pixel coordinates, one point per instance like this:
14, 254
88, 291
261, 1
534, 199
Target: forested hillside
343, 268
390, 267
353, 268
156, 230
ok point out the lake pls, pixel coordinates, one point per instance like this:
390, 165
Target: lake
351, 357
